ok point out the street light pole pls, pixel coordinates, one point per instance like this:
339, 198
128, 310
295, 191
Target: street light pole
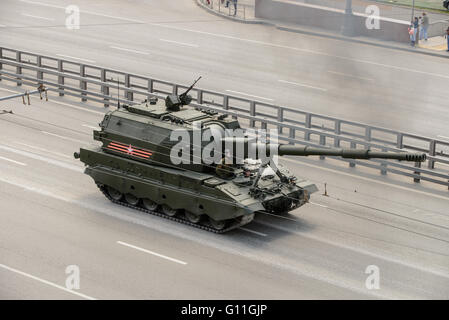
348, 22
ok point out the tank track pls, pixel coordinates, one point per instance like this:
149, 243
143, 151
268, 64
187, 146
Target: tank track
179, 219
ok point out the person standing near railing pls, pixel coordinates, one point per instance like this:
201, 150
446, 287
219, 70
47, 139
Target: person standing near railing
424, 26
235, 6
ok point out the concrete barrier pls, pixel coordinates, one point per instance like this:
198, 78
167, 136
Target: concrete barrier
330, 19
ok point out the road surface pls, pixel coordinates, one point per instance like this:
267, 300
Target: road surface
53, 216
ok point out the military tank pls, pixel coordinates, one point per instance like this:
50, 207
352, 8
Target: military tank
138, 165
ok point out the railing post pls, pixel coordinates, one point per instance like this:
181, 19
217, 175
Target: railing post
19, 69
337, 127
432, 152
352, 161
383, 165
263, 125
199, 96
225, 102
104, 88
39, 74
150, 86
128, 94
308, 124
280, 118
83, 84
291, 135
60, 77
367, 133
252, 113
337, 142
323, 143
417, 179
399, 140
1, 57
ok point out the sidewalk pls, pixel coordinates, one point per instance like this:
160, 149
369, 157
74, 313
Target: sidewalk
435, 46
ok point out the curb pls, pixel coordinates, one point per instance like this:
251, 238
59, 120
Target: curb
321, 34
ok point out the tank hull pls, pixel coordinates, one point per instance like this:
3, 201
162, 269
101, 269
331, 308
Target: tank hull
163, 186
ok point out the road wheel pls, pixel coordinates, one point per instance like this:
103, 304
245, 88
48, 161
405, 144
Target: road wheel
131, 199
217, 225
149, 204
169, 211
192, 217
114, 193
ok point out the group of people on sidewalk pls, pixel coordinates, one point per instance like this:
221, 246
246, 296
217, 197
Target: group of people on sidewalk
420, 24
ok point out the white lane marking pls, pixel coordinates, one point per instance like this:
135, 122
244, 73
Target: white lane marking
318, 204
249, 95
180, 43
349, 75
129, 50
42, 149
252, 231
82, 11
71, 57
90, 127
63, 137
41, 158
368, 179
2, 26
54, 285
13, 161
151, 252
302, 85
37, 17
444, 137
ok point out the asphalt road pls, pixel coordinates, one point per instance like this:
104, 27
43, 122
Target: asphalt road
53, 216
177, 41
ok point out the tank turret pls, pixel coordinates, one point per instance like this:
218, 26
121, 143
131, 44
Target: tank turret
150, 159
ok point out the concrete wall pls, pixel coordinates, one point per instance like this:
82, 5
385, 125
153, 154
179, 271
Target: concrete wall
329, 18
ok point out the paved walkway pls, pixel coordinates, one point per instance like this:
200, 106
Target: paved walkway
435, 43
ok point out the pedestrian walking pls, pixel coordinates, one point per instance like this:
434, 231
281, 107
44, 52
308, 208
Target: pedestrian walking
235, 6
424, 26
227, 3
447, 37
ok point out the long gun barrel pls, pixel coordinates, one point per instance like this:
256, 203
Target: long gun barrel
252, 149
285, 150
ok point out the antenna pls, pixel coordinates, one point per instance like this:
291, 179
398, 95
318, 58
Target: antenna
118, 92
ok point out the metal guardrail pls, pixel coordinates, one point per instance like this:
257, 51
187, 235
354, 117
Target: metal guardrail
244, 11
99, 84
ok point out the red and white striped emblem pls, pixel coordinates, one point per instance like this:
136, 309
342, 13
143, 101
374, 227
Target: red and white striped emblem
129, 149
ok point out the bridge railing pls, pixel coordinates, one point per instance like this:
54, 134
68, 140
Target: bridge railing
107, 86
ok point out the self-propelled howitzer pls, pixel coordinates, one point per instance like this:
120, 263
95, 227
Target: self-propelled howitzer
134, 167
